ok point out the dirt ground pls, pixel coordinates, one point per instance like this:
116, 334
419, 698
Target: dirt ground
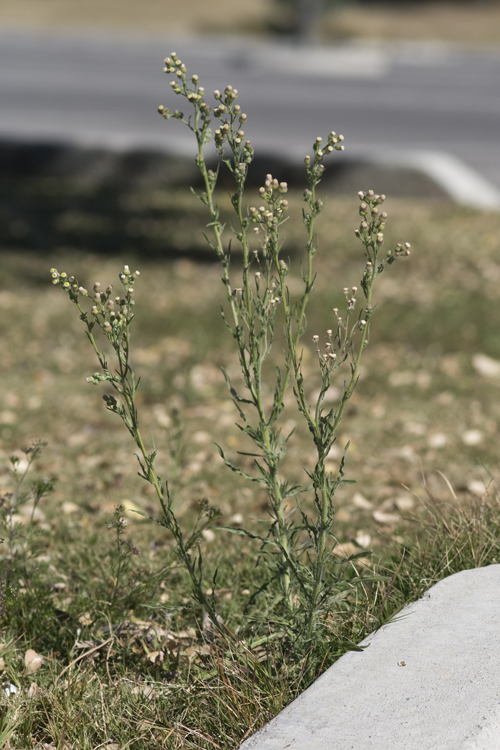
476, 23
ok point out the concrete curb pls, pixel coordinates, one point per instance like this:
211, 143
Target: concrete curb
428, 680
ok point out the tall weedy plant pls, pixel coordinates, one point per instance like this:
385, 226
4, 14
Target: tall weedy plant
300, 543
306, 579
113, 316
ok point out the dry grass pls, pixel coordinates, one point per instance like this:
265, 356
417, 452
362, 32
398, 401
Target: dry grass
422, 407
476, 23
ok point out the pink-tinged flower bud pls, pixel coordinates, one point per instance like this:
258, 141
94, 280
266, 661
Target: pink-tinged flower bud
107, 327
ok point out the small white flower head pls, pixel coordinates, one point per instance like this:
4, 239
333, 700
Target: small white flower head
107, 327
315, 338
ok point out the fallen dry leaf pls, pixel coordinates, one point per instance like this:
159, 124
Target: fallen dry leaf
155, 657
387, 519
345, 550
486, 366
363, 540
404, 502
361, 502
32, 660
33, 690
472, 437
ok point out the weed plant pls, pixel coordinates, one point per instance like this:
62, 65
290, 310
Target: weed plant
302, 597
20, 530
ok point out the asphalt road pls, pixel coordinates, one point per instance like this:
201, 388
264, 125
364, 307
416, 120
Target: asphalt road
391, 103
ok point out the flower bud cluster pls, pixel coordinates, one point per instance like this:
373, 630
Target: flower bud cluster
230, 131
110, 314
272, 193
371, 234
328, 358
315, 168
349, 295
194, 95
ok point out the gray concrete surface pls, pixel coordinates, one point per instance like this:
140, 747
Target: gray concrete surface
429, 680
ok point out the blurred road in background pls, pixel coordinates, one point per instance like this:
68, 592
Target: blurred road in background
417, 104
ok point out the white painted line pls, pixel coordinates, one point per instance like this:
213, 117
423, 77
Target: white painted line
462, 183
322, 62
